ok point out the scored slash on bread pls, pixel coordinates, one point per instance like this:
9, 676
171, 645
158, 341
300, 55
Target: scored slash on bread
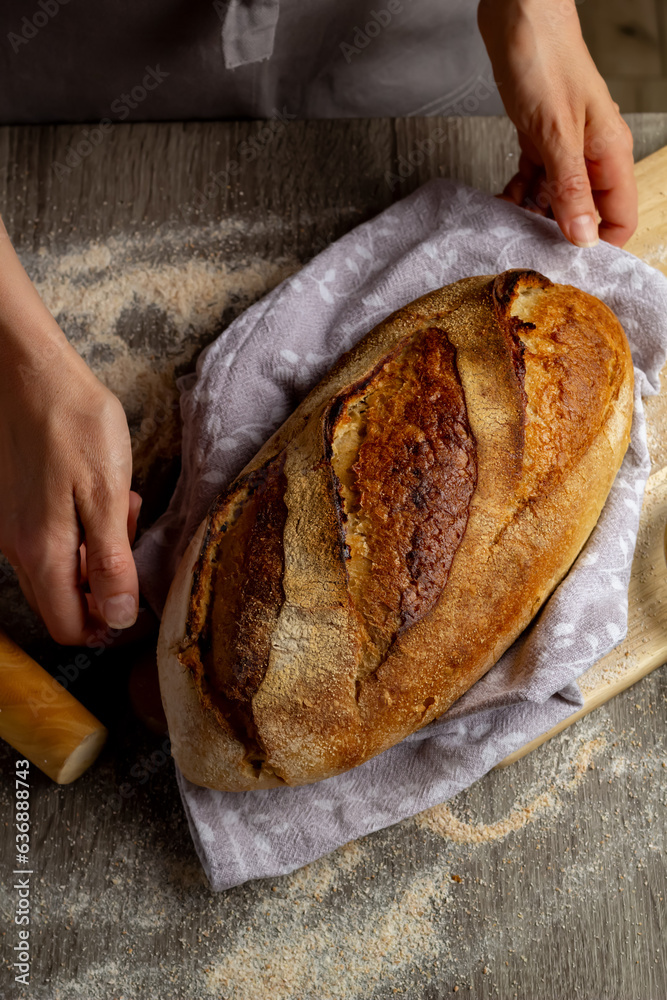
396, 534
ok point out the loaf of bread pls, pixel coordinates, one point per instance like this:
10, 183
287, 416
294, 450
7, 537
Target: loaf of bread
396, 534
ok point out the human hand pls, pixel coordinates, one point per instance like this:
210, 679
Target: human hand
576, 150
67, 514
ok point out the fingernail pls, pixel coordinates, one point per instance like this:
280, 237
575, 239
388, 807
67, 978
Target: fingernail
584, 231
120, 611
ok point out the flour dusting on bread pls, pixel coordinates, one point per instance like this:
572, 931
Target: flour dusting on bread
397, 533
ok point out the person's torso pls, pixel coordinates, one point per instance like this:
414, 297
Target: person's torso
70, 61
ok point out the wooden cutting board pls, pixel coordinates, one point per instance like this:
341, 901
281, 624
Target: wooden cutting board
645, 646
650, 240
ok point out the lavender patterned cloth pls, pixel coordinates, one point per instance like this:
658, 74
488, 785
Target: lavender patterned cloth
250, 379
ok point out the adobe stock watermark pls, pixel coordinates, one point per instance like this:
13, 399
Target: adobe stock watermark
363, 35
576, 182
141, 771
560, 11
22, 913
466, 104
164, 412
68, 673
33, 24
79, 150
222, 6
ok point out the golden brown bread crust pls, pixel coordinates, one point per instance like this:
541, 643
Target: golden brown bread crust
396, 534
403, 457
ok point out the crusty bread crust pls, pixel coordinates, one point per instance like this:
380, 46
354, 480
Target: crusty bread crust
546, 377
205, 748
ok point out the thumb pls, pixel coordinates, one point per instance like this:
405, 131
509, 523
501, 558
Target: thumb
569, 190
112, 575
133, 515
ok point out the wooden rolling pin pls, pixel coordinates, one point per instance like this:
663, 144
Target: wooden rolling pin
43, 721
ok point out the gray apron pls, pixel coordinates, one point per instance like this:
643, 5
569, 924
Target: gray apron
85, 60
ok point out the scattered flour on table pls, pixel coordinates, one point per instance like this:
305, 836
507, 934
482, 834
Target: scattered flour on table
535, 803
139, 310
323, 962
656, 425
373, 917
296, 950
655, 255
295, 943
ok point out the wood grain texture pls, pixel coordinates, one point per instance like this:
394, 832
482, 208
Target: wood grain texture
41, 719
650, 239
640, 652
560, 858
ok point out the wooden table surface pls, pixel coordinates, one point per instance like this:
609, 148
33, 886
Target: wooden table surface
546, 880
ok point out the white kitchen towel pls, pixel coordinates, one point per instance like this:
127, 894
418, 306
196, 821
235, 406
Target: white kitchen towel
251, 378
